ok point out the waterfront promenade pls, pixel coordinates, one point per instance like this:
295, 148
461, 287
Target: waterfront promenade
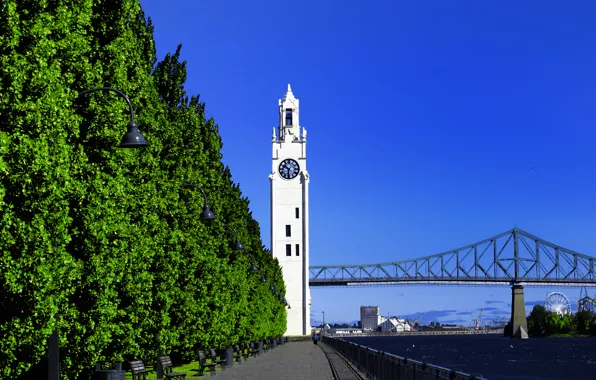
291, 361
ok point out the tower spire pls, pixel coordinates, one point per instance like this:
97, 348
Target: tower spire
289, 94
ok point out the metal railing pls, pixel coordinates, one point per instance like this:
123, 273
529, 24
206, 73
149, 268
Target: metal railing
380, 365
417, 333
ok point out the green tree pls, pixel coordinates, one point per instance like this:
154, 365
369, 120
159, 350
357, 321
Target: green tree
537, 320
582, 321
508, 329
559, 323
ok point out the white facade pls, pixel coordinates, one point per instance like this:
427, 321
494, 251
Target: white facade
395, 325
289, 212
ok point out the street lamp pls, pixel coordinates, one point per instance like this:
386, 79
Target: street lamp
253, 266
274, 290
323, 319
207, 214
131, 139
238, 244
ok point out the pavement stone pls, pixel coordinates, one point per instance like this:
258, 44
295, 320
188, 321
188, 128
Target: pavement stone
291, 361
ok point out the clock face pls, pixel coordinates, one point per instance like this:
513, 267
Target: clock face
289, 169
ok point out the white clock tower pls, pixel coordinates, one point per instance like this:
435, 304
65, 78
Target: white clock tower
289, 212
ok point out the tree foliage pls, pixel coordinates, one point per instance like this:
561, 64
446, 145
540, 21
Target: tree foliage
542, 322
104, 244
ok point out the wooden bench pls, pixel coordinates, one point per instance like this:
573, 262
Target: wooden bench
239, 354
214, 359
204, 366
168, 368
137, 368
253, 349
114, 374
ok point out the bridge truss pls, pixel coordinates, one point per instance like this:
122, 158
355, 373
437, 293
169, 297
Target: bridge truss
514, 256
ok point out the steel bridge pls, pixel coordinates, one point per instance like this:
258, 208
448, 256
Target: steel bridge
513, 257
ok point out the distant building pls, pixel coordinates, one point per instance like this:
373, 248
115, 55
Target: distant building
370, 318
395, 325
344, 330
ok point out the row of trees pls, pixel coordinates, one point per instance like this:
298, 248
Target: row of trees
103, 244
542, 322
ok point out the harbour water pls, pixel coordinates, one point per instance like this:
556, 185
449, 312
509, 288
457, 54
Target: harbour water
496, 357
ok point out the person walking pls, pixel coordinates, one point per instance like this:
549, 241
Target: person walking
315, 339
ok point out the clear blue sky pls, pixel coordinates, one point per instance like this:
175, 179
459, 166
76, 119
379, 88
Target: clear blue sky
432, 125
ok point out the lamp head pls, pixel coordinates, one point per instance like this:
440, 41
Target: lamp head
254, 268
133, 138
238, 245
207, 214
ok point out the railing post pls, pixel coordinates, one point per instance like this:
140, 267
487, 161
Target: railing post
368, 362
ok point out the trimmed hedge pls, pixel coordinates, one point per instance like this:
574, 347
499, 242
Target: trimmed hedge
103, 243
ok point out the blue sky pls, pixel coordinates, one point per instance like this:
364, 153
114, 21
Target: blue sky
432, 125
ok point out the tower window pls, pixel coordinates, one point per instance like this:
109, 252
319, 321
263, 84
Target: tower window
288, 249
288, 230
297, 249
297, 213
288, 116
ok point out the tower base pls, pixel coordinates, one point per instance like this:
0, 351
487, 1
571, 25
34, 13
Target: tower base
518, 313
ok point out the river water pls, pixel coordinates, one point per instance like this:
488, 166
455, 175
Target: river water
496, 357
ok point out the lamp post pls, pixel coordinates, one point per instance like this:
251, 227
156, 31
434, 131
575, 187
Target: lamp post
207, 214
131, 139
323, 320
54, 354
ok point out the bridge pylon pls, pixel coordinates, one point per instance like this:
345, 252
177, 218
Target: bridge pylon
518, 312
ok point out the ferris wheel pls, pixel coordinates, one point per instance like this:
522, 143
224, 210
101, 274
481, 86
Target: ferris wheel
558, 303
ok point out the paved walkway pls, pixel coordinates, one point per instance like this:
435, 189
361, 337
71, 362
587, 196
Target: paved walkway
291, 361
